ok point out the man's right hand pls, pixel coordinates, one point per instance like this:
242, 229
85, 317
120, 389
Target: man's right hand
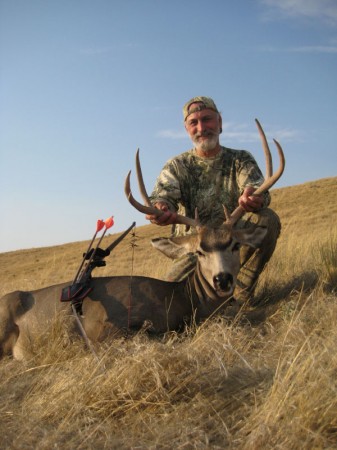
167, 218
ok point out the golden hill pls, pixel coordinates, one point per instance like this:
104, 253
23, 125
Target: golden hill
307, 211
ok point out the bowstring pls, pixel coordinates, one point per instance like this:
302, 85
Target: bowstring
133, 245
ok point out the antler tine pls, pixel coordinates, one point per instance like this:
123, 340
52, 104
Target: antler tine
141, 208
270, 177
148, 208
271, 180
227, 214
140, 179
265, 146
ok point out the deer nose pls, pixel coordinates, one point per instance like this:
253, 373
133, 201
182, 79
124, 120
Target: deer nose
223, 281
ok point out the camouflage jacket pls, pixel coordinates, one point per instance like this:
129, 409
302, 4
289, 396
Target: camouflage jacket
189, 181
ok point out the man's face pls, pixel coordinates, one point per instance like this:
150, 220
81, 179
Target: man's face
204, 128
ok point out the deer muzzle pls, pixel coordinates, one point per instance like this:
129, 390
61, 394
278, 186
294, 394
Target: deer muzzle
223, 284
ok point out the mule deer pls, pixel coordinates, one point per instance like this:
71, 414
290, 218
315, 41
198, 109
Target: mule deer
122, 303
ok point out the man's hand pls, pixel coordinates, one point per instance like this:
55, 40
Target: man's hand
168, 218
250, 202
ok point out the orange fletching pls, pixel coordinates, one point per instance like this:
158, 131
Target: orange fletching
100, 224
109, 222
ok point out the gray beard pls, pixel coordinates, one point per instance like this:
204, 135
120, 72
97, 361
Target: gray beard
207, 146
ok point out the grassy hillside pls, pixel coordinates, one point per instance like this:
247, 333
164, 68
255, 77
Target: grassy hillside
265, 380
307, 212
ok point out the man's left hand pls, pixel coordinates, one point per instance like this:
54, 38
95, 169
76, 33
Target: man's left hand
250, 202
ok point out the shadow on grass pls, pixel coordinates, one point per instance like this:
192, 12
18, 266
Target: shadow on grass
304, 282
267, 300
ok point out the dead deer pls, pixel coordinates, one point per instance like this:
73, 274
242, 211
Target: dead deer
120, 303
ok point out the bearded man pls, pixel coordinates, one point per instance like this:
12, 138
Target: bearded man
207, 177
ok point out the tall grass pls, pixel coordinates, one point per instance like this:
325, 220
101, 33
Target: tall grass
328, 263
221, 385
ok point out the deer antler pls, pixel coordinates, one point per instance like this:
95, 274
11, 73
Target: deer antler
270, 179
231, 219
147, 208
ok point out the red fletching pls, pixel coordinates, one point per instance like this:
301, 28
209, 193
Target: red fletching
109, 222
100, 224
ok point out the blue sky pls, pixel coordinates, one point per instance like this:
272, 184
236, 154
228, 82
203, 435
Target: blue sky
83, 84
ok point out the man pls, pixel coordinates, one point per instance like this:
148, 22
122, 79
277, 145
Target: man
207, 177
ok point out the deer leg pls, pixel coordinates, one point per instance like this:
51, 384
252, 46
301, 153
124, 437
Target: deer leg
8, 338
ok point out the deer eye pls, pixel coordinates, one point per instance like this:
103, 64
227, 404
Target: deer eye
236, 247
200, 254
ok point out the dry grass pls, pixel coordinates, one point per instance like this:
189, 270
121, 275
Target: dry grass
266, 380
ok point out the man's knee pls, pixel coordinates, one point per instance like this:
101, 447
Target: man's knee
271, 221
267, 218
253, 261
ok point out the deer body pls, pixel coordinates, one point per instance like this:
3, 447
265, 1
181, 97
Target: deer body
114, 305
121, 303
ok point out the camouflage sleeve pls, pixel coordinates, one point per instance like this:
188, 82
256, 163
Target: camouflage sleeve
249, 174
167, 187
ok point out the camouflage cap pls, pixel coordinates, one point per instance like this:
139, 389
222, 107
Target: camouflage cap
206, 103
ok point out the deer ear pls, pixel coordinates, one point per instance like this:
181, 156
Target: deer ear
251, 236
175, 247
